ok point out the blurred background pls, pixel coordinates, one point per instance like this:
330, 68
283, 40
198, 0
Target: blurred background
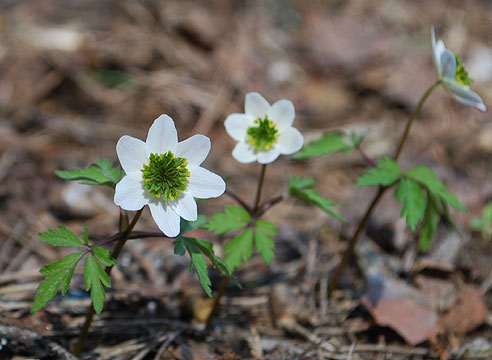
76, 75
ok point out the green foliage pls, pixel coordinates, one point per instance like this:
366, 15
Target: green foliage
63, 237
101, 172
428, 179
103, 255
234, 217
328, 144
430, 223
386, 174
59, 274
95, 277
484, 223
264, 231
199, 223
302, 188
198, 250
239, 249
414, 202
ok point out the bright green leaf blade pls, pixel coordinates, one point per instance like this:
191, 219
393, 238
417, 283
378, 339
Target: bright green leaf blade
85, 236
427, 177
414, 202
63, 237
61, 264
103, 255
385, 174
239, 249
107, 169
200, 264
199, 223
297, 183
100, 173
264, 243
47, 290
94, 277
234, 217
429, 226
327, 145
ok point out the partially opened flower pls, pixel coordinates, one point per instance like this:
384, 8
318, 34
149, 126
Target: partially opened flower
166, 175
264, 131
453, 75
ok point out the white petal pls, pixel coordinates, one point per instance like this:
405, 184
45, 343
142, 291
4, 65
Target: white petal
186, 207
448, 64
464, 95
162, 136
289, 141
266, 157
237, 125
437, 50
166, 218
255, 105
130, 193
243, 153
131, 152
205, 184
282, 113
194, 149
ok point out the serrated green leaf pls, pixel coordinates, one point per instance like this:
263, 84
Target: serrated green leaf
103, 255
387, 173
302, 189
327, 145
264, 231
101, 172
429, 226
239, 249
85, 236
414, 202
95, 277
427, 178
234, 217
199, 223
63, 237
60, 273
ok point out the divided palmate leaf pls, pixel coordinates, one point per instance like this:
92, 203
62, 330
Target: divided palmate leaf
63, 237
302, 188
95, 277
234, 217
239, 249
387, 173
264, 233
428, 179
327, 145
103, 255
414, 202
101, 172
59, 274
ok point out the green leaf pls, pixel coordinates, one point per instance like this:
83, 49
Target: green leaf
327, 145
234, 217
427, 178
199, 223
95, 277
101, 172
414, 202
85, 236
59, 274
103, 255
302, 189
63, 237
385, 174
264, 231
239, 249
429, 226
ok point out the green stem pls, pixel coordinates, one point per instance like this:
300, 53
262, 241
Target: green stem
125, 230
365, 219
260, 187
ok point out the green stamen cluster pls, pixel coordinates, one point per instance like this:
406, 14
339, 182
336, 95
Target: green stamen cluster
166, 176
461, 76
262, 136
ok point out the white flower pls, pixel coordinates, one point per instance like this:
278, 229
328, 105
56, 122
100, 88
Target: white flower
264, 131
166, 175
453, 75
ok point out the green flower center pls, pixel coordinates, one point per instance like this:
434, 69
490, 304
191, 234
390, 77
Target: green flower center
461, 76
166, 176
262, 136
